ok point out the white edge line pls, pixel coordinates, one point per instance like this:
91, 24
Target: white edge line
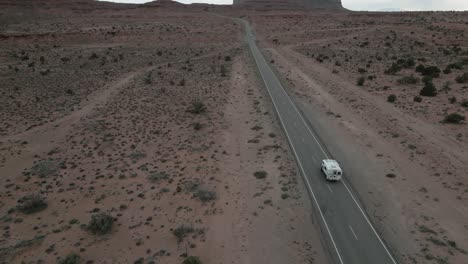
297, 158
320, 145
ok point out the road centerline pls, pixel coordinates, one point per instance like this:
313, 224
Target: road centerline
352, 231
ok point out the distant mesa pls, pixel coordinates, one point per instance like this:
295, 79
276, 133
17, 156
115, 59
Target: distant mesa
291, 4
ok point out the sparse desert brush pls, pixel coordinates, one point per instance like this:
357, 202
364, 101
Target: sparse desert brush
182, 82
30, 204
360, 81
464, 103
432, 71
205, 195
227, 58
462, 78
137, 155
407, 63
100, 224
192, 260
223, 71
197, 107
93, 56
147, 79
157, 176
260, 174
428, 90
197, 126
44, 168
71, 258
182, 231
391, 98
408, 80
454, 118
393, 69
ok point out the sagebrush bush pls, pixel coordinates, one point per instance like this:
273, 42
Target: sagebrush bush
71, 258
417, 99
192, 260
462, 78
391, 98
432, 71
260, 174
361, 81
408, 80
197, 107
393, 69
30, 204
181, 231
157, 176
205, 195
100, 223
454, 118
428, 90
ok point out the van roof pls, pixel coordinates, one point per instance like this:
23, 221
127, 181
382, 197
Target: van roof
332, 164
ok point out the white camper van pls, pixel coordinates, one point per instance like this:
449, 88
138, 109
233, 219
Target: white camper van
331, 169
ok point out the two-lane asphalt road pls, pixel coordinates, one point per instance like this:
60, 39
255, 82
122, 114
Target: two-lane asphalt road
348, 230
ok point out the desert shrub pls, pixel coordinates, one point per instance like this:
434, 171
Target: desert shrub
148, 79
456, 65
361, 81
45, 168
205, 195
405, 63
137, 155
197, 107
417, 99
432, 71
197, 126
428, 90
420, 68
30, 204
391, 98
462, 78
361, 70
227, 58
223, 71
192, 260
100, 223
182, 82
182, 231
392, 70
427, 79
93, 56
447, 70
408, 80
157, 176
452, 100
260, 174
71, 258
454, 118
464, 103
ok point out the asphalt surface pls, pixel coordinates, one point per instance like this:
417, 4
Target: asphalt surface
347, 230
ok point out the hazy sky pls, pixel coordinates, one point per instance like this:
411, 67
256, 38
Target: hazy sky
364, 4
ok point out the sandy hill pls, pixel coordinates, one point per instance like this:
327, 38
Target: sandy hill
290, 4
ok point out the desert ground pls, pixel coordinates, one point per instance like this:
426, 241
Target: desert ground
142, 135
388, 93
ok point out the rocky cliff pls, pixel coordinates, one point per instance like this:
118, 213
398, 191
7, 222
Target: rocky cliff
290, 4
